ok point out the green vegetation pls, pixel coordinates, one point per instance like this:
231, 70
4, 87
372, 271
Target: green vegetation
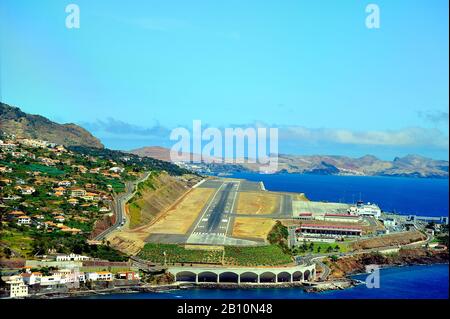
144, 163
270, 255
16, 239
442, 235
319, 248
179, 254
66, 243
136, 204
279, 236
51, 171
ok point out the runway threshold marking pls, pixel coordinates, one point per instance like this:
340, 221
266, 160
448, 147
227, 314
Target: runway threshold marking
207, 207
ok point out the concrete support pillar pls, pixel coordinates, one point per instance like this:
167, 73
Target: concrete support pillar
196, 278
292, 278
276, 277
175, 277
239, 278
259, 281
218, 278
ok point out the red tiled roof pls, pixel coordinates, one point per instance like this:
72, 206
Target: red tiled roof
330, 227
342, 215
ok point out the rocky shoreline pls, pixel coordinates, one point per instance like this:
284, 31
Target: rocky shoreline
340, 277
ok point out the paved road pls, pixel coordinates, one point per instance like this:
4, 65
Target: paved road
118, 205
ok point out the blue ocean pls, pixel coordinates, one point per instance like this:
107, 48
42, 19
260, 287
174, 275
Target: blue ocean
403, 195
413, 282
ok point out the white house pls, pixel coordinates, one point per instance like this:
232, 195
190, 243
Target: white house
99, 276
116, 169
64, 183
31, 278
23, 220
17, 287
68, 275
71, 257
28, 190
51, 280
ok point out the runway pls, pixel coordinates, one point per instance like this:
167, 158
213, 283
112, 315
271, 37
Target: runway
216, 219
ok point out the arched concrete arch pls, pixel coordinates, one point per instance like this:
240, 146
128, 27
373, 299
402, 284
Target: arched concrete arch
228, 276
307, 275
284, 276
267, 276
207, 276
249, 277
186, 276
297, 276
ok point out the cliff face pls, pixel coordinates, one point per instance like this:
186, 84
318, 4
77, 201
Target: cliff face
21, 124
357, 263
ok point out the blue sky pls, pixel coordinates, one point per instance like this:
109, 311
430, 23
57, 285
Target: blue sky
136, 69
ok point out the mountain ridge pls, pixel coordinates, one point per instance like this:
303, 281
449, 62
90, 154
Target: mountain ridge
14, 121
410, 165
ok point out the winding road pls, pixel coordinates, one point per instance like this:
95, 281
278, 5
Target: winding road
118, 205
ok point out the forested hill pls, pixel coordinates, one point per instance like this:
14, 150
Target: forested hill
24, 125
146, 163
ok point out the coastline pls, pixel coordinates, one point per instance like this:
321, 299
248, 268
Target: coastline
342, 283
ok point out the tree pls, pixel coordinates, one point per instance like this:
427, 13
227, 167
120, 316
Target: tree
334, 258
337, 248
7, 252
329, 249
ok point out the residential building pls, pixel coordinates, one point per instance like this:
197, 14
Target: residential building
71, 257
60, 219
23, 220
77, 192
99, 276
17, 287
128, 275
31, 278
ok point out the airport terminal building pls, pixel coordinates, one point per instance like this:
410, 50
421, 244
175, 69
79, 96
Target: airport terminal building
327, 230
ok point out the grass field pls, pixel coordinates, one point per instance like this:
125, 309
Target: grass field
248, 227
17, 241
178, 219
257, 203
